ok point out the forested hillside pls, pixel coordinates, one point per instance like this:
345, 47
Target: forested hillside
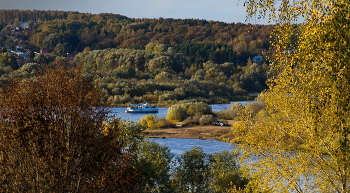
164, 59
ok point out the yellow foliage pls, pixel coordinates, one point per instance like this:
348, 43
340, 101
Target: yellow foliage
300, 142
105, 128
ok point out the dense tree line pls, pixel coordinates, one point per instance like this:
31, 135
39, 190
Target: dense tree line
127, 75
76, 31
158, 60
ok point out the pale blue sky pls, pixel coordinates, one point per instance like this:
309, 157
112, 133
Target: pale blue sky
217, 10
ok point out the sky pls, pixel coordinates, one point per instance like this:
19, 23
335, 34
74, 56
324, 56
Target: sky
229, 11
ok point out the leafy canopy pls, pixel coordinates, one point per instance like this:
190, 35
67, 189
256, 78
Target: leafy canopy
302, 136
53, 137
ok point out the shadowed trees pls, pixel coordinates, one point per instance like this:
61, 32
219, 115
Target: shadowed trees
53, 137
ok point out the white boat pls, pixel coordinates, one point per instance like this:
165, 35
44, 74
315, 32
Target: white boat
141, 108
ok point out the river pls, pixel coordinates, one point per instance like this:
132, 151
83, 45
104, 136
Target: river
179, 145
120, 111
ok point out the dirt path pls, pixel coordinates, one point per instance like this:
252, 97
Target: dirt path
201, 132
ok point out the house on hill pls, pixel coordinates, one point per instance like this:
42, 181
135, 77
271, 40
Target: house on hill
44, 51
257, 58
23, 25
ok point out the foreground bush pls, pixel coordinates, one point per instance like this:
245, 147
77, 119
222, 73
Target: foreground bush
154, 162
196, 171
53, 137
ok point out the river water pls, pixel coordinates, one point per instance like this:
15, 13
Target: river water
179, 145
120, 111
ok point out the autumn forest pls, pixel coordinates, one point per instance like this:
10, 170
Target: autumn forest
137, 60
59, 70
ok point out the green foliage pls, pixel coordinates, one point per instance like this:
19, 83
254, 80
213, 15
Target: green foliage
196, 171
51, 41
227, 176
163, 77
27, 71
44, 58
193, 172
155, 47
147, 121
254, 75
200, 56
7, 60
181, 111
199, 53
196, 108
107, 60
176, 113
154, 162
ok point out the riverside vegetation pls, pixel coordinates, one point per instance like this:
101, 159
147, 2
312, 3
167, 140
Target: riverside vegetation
198, 113
56, 137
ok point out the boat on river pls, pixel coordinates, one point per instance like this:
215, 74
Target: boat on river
141, 108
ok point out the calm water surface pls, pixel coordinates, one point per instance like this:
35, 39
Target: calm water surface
178, 146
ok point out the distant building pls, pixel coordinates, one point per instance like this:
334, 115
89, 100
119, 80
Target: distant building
44, 51
24, 25
71, 60
20, 54
257, 58
20, 47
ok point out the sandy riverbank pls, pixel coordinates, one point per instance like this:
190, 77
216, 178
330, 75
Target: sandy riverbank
201, 132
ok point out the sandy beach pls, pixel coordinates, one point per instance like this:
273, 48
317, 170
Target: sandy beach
199, 132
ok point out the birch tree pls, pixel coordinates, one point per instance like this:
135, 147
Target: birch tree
300, 140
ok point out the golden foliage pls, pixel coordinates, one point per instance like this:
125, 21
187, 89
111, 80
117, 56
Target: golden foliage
300, 142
